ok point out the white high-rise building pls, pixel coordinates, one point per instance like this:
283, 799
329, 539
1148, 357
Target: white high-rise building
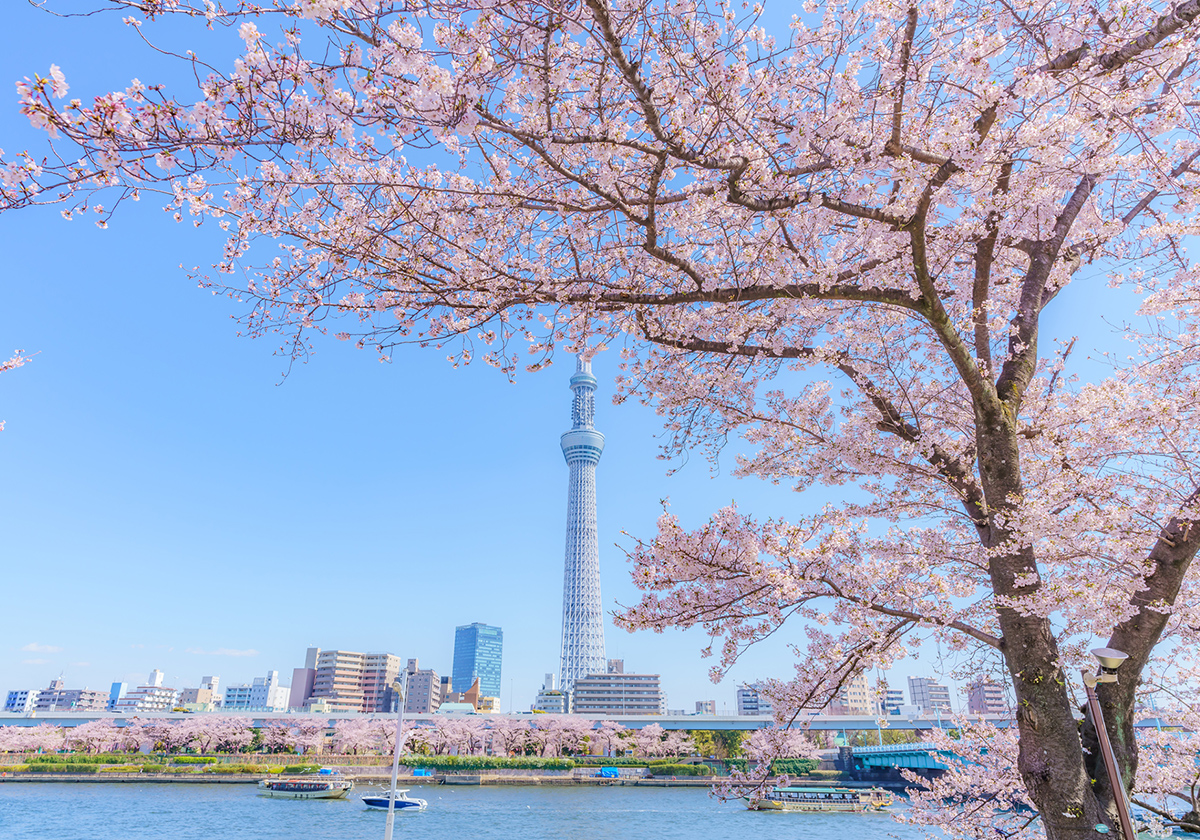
583, 615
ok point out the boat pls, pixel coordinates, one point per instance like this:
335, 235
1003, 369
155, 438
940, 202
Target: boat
820, 799
404, 802
324, 784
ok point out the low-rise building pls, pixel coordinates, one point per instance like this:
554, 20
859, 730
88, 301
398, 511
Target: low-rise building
706, 707
452, 707
470, 696
21, 701
618, 693
57, 698
205, 698
265, 694
152, 697
550, 699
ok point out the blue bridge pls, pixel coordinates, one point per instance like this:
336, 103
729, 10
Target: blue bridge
919, 756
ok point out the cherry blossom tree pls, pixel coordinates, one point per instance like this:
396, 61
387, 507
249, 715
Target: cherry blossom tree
43, 737
575, 736
230, 734
552, 735
773, 742
648, 741
606, 736
277, 737
354, 735
1169, 776
130, 736
446, 736
194, 732
384, 734
676, 743
473, 737
94, 736
860, 243
508, 736
166, 735
982, 782
308, 734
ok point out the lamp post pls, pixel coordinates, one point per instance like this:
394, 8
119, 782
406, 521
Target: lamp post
399, 688
1109, 660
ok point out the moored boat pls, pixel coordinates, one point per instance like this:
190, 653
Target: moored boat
404, 802
820, 799
325, 784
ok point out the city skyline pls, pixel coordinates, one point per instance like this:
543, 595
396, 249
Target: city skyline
746, 699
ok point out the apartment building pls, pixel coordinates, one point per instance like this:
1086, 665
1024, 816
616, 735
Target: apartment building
618, 693
346, 681
985, 697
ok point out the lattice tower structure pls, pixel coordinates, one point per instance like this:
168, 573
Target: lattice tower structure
583, 617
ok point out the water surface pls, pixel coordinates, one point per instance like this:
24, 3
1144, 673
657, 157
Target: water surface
113, 811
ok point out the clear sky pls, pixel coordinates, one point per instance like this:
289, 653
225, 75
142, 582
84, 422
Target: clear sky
168, 500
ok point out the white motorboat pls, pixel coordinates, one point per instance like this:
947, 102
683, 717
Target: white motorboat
404, 802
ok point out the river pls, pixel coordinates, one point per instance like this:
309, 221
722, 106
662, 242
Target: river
113, 811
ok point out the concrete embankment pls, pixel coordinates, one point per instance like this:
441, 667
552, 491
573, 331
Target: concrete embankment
372, 778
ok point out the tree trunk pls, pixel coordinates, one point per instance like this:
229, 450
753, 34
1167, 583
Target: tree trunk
1051, 759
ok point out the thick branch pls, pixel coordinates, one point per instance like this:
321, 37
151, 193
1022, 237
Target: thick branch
893, 146
1174, 21
1022, 343
954, 469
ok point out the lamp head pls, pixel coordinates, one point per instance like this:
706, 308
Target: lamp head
1110, 659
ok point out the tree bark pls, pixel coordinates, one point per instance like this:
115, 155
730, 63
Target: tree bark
1051, 758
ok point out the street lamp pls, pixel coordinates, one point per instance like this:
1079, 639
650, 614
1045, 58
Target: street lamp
1109, 660
399, 690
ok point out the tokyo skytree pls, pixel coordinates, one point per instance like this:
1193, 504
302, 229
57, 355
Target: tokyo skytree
583, 619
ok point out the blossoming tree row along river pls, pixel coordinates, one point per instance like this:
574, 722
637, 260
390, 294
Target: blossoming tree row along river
836, 239
543, 735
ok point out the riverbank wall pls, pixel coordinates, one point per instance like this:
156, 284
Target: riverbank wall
372, 777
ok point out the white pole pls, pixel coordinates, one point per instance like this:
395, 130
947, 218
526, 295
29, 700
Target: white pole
391, 817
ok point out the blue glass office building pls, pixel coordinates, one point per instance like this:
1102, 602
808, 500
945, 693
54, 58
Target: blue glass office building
477, 650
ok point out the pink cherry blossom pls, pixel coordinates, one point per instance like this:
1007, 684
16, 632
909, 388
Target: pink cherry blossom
858, 249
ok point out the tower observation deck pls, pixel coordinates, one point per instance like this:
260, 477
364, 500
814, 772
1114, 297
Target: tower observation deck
583, 618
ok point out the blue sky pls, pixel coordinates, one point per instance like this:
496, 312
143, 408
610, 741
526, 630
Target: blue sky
168, 500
